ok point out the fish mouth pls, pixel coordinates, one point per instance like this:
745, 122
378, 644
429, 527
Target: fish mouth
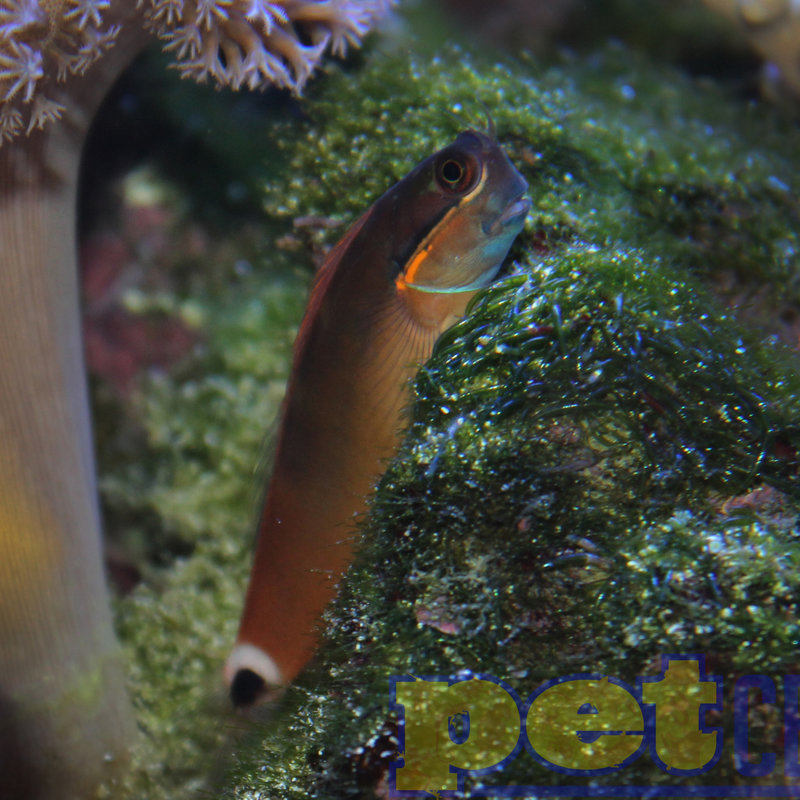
513, 215
515, 211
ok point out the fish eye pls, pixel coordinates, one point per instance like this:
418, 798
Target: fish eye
452, 171
456, 173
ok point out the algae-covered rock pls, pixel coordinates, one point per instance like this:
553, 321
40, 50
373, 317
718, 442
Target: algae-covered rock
601, 468
601, 465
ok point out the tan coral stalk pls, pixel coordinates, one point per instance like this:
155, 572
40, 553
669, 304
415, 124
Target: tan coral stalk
64, 716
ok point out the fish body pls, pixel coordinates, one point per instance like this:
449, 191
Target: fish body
402, 274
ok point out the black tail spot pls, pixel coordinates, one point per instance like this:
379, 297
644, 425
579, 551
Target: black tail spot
246, 688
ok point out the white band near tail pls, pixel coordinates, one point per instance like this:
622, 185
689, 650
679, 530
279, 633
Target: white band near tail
248, 656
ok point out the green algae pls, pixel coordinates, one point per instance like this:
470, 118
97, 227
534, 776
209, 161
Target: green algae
565, 500
192, 489
616, 148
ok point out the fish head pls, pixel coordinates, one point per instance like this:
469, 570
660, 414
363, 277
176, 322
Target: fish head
468, 206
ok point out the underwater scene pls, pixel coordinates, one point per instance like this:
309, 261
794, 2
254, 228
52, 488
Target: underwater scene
399, 398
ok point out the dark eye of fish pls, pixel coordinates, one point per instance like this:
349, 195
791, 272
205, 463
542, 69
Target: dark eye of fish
452, 172
457, 173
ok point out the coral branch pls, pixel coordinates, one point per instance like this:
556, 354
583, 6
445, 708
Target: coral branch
251, 43
87, 10
256, 42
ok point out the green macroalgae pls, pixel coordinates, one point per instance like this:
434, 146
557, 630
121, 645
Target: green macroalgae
601, 464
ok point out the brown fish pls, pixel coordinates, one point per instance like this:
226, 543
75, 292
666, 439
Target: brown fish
401, 275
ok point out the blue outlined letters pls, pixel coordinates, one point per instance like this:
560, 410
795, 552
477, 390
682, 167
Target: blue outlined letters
584, 725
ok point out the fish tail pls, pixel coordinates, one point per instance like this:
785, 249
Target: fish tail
294, 577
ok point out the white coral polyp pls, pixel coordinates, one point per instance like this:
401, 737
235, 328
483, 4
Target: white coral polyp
44, 111
210, 12
21, 67
10, 123
87, 12
236, 43
18, 15
265, 15
94, 45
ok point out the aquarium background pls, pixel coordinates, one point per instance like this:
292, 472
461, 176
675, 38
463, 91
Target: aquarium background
601, 461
